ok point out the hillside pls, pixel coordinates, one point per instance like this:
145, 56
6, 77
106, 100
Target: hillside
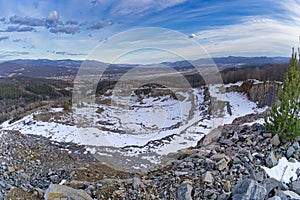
21, 94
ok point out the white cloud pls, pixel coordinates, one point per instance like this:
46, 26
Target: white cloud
292, 8
52, 18
255, 36
141, 6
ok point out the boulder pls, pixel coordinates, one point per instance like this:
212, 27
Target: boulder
274, 198
271, 160
76, 184
56, 191
290, 151
296, 187
17, 193
270, 184
248, 189
222, 164
207, 177
184, 191
275, 141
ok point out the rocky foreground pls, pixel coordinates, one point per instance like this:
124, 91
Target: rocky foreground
225, 164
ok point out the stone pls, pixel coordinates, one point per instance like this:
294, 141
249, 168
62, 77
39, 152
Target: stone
296, 187
227, 186
207, 177
54, 178
267, 135
296, 145
210, 138
224, 196
136, 183
16, 193
222, 164
210, 194
290, 151
76, 184
281, 195
184, 191
291, 194
275, 141
271, 160
179, 173
56, 191
118, 193
11, 169
274, 198
270, 184
218, 157
248, 189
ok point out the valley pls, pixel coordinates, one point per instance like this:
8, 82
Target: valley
114, 128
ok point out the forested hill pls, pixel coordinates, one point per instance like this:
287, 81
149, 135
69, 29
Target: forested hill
20, 94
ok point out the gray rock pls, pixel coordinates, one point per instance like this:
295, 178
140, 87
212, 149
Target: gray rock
218, 157
222, 164
136, 183
271, 160
296, 145
270, 184
274, 198
267, 135
184, 191
213, 136
179, 173
227, 186
64, 192
76, 184
224, 196
290, 151
281, 195
291, 194
207, 177
54, 178
292, 160
209, 192
296, 187
248, 189
275, 141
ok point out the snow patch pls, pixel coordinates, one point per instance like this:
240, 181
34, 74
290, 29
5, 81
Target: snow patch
285, 171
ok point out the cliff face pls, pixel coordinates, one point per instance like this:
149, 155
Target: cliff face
264, 93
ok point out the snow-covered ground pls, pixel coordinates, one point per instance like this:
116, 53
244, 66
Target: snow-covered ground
284, 171
150, 128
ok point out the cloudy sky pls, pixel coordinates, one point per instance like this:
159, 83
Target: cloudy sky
73, 28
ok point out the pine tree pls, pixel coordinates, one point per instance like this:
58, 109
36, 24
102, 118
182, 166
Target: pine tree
284, 118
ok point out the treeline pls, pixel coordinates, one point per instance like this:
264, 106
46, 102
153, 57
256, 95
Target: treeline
271, 72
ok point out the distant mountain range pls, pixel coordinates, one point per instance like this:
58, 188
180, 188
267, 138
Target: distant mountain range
233, 61
64, 68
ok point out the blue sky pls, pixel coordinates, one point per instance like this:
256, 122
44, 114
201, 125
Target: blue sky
73, 28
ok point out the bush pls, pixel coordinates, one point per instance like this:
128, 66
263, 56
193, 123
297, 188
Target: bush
66, 107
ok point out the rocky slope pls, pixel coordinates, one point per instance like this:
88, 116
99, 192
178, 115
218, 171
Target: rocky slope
225, 164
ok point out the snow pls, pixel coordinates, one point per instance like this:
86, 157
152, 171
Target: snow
291, 194
284, 171
239, 83
241, 106
55, 131
259, 121
159, 125
63, 182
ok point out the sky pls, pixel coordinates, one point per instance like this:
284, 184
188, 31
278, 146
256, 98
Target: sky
73, 29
